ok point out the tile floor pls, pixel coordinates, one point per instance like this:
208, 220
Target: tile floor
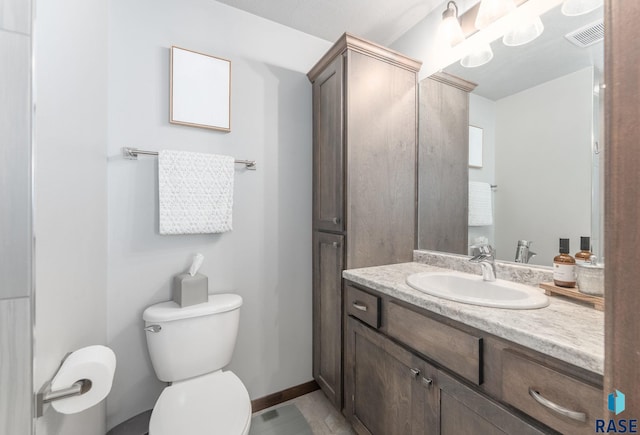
322, 417
280, 420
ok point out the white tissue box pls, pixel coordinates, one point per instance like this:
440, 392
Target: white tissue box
190, 290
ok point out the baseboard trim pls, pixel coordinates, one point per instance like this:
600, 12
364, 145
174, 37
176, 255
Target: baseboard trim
282, 396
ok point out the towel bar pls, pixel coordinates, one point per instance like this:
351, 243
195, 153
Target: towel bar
132, 154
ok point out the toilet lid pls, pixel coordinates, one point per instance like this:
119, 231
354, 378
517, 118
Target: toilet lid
213, 404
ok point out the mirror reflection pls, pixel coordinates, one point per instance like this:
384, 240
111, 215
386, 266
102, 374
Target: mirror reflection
539, 106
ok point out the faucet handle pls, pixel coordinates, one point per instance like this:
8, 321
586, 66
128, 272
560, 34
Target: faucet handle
486, 249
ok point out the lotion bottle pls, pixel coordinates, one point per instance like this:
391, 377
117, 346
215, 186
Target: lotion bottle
585, 254
564, 267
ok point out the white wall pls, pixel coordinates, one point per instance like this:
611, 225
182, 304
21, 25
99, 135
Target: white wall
543, 165
267, 257
70, 194
482, 114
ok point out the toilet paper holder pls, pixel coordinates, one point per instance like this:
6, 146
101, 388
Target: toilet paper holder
46, 395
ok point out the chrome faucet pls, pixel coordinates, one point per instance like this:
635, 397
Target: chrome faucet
523, 255
486, 260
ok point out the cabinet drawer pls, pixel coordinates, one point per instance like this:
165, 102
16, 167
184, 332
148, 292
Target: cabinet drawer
562, 402
454, 349
363, 306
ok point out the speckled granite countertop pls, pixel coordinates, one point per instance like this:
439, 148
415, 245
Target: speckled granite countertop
570, 332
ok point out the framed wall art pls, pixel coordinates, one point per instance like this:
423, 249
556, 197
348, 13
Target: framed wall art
200, 93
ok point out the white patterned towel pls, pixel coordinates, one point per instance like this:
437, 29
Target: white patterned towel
480, 204
196, 192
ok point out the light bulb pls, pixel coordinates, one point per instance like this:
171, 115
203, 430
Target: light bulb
572, 8
525, 29
491, 10
450, 30
481, 54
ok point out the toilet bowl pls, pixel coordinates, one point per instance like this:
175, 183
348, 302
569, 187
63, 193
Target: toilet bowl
189, 347
217, 403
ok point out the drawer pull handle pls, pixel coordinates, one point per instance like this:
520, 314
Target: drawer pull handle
415, 372
574, 415
427, 382
336, 220
359, 306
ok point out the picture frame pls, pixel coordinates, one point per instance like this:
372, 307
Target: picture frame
475, 147
200, 90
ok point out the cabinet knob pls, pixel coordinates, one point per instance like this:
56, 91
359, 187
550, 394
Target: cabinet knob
336, 244
415, 372
336, 220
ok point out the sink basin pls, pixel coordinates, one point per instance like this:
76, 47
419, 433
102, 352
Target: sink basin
471, 289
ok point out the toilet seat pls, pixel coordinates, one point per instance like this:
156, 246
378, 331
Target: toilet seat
212, 404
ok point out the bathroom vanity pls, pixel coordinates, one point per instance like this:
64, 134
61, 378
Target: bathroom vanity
395, 360
418, 364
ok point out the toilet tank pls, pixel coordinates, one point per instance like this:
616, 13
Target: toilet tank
194, 340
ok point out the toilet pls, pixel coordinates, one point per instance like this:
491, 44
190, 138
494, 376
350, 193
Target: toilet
189, 347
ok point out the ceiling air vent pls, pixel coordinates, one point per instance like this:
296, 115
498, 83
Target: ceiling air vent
587, 35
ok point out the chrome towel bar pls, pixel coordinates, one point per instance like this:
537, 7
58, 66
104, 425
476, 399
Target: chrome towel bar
132, 154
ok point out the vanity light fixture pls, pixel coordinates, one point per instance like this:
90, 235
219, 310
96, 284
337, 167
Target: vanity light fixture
491, 10
526, 28
480, 55
450, 27
572, 8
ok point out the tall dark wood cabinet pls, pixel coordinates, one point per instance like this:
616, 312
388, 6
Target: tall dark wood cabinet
364, 180
443, 152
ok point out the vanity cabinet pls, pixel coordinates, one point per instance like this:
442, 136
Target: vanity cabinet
463, 410
387, 389
364, 180
408, 371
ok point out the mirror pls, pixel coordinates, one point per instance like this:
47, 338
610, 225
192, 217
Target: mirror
200, 90
539, 106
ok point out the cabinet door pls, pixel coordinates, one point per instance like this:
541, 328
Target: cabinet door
381, 161
464, 411
384, 389
443, 161
328, 122
327, 314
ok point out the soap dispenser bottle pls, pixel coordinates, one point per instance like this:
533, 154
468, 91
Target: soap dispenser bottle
564, 267
585, 253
